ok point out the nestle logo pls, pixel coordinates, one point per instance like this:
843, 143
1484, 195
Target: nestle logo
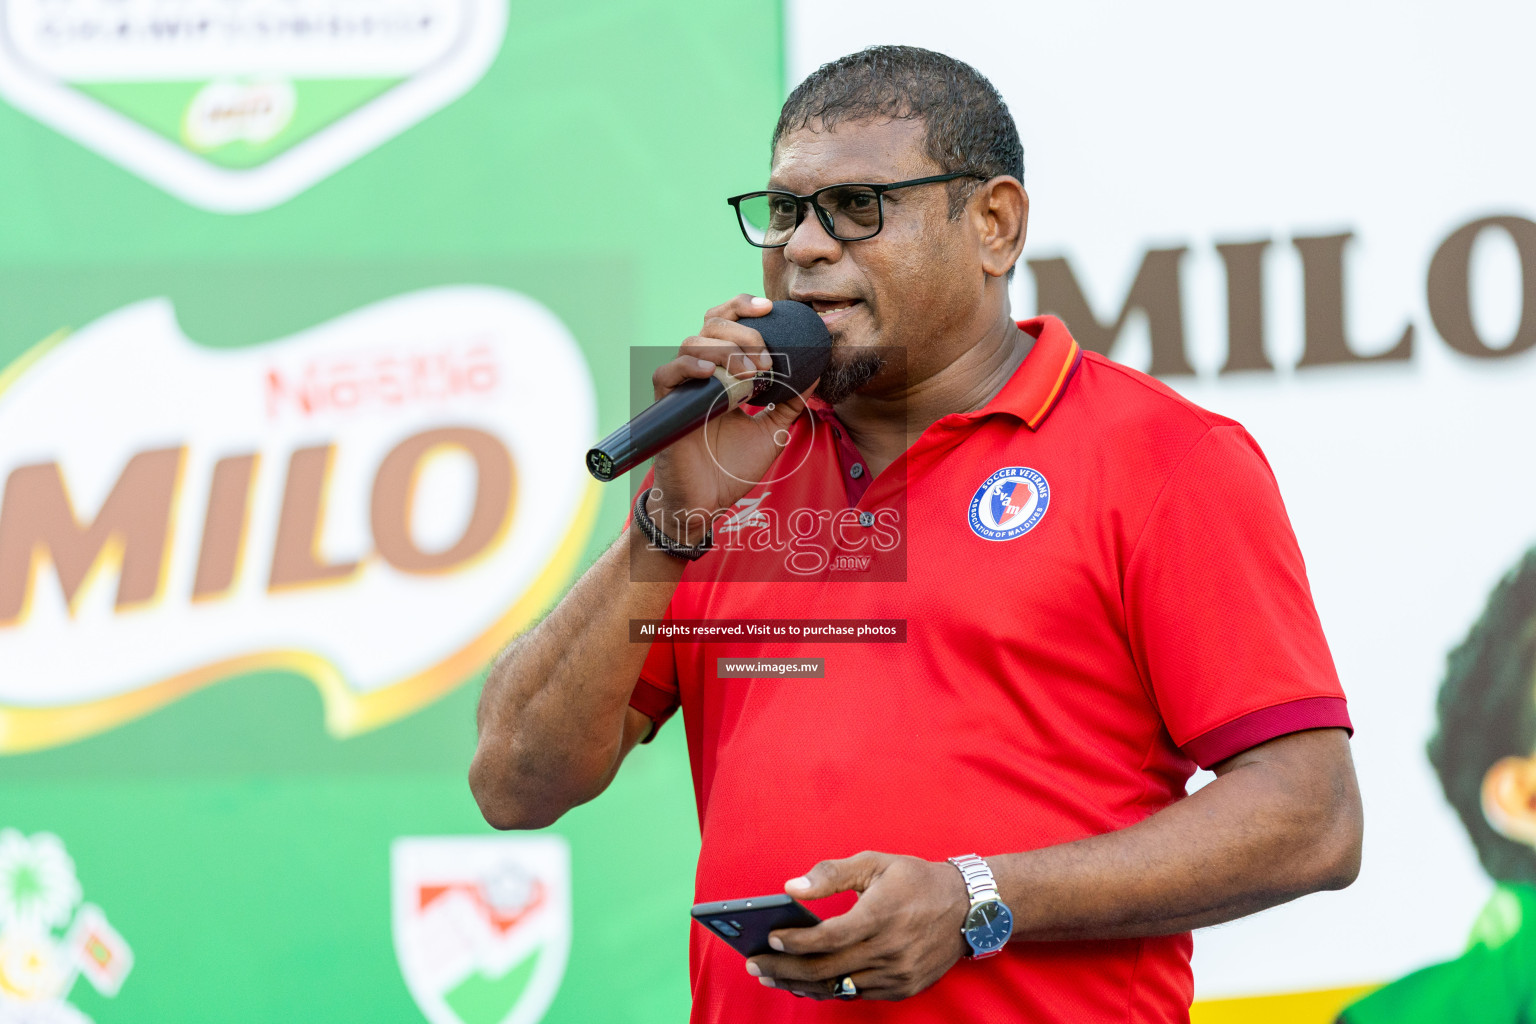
390, 379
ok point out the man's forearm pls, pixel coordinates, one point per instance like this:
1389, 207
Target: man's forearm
1271, 827
551, 716
1280, 820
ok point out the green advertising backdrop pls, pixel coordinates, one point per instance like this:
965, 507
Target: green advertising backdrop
239, 847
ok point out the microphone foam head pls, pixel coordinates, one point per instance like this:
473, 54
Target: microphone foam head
800, 346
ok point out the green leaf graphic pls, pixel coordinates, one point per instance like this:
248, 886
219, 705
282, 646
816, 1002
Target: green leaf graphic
479, 999
161, 106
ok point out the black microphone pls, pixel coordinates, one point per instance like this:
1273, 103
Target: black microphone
798, 344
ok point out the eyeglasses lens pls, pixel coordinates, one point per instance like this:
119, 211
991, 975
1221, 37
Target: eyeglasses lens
771, 218
855, 211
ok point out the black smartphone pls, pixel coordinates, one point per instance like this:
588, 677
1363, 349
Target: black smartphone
745, 924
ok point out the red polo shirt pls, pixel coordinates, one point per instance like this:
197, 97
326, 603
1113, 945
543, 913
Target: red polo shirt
1100, 590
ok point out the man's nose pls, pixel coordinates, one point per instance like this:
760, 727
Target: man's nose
810, 242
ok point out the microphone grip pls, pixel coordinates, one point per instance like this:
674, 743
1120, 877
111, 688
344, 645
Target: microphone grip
679, 412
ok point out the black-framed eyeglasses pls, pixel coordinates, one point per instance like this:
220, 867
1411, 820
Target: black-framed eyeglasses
850, 212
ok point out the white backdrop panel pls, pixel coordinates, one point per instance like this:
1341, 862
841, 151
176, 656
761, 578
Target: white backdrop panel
1190, 123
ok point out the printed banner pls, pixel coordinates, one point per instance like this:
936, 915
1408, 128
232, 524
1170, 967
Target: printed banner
304, 504
236, 107
309, 310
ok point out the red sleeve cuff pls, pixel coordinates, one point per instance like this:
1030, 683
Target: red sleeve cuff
654, 703
1265, 724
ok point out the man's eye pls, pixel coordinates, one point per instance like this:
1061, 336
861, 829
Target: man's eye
783, 209
860, 206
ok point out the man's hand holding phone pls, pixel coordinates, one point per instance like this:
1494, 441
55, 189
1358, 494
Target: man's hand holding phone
898, 939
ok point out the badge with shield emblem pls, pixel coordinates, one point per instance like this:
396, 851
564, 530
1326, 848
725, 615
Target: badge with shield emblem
482, 925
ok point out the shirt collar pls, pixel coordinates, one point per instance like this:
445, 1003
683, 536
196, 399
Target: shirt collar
1036, 386
1042, 378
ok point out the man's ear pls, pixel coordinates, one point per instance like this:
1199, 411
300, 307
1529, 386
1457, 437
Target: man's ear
1509, 799
1000, 212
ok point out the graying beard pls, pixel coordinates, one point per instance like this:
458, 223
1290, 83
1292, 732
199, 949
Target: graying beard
846, 375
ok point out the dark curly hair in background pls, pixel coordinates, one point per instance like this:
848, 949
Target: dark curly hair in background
1487, 711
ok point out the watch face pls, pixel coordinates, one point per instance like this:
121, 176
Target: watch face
988, 926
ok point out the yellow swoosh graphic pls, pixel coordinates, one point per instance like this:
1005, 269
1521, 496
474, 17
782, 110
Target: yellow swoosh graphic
1321, 1007
22, 363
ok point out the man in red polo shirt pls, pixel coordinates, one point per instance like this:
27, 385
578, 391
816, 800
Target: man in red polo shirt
1094, 585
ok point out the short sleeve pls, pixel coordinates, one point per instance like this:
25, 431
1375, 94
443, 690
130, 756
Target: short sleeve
655, 694
1220, 616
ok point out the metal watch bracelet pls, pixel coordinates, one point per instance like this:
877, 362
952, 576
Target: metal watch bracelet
979, 883
658, 539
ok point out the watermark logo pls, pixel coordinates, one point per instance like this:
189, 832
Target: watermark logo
48, 937
798, 542
377, 503
482, 925
745, 513
803, 517
1009, 503
238, 105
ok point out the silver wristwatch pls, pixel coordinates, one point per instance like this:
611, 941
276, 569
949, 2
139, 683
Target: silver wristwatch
989, 922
